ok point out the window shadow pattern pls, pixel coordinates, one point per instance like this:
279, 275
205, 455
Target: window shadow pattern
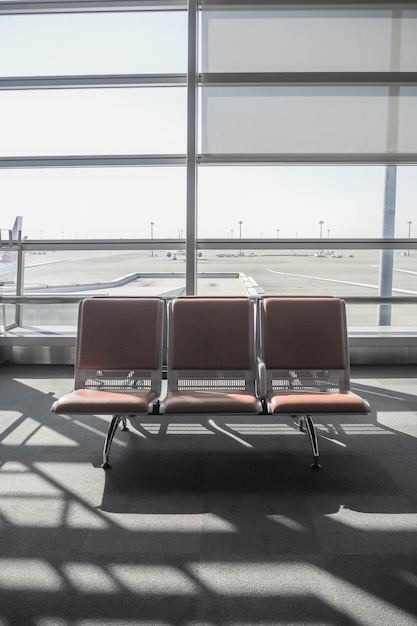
198, 525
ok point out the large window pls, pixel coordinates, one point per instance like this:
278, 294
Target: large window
221, 141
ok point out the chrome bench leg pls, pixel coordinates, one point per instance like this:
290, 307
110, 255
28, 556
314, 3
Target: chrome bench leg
307, 425
109, 438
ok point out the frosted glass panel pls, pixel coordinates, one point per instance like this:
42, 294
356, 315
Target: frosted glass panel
308, 120
407, 133
332, 40
408, 62
93, 43
93, 121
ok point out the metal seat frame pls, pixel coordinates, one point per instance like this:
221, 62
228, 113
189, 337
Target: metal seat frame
118, 363
211, 356
303, 363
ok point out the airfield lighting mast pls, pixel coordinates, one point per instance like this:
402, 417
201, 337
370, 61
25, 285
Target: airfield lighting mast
152, 225
409, 233
321, 222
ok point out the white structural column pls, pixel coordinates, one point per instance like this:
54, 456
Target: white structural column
388, 222
387, 256
191, 252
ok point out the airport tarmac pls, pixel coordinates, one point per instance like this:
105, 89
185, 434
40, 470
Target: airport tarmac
340, 273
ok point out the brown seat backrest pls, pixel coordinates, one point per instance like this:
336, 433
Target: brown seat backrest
211, 343
304, 334
209, 333
123, 333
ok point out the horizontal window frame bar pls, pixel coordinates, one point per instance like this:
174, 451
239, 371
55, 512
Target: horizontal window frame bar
203, 160
210, 79
89, 6
400, 243
92, 81
351, 243
71, 299
244, 79
216, 5
118, 160
309, 159
44, 245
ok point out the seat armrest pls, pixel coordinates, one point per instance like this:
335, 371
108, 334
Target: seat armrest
261, 378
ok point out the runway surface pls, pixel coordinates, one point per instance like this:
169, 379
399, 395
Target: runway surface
342, 273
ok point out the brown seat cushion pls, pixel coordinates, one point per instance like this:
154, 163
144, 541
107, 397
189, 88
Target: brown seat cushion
90, 401
211, 402
307, 402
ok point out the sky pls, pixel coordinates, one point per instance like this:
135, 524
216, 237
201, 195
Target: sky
270, 201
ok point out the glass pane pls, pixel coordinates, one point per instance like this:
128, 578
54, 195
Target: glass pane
102, 272
405, 212
93, 43
308, 120
96, 203
408, 61
407, 120
341, 273
313, 40
291, 201
52, 318
93, 121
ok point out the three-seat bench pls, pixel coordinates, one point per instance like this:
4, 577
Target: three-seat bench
225, 355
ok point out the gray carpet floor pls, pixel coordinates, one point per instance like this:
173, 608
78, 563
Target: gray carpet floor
199, 524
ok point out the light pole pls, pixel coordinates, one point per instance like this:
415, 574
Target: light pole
321, 222
277, 233
328, 234
152, 225
231, 233
240, 235
409, 233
